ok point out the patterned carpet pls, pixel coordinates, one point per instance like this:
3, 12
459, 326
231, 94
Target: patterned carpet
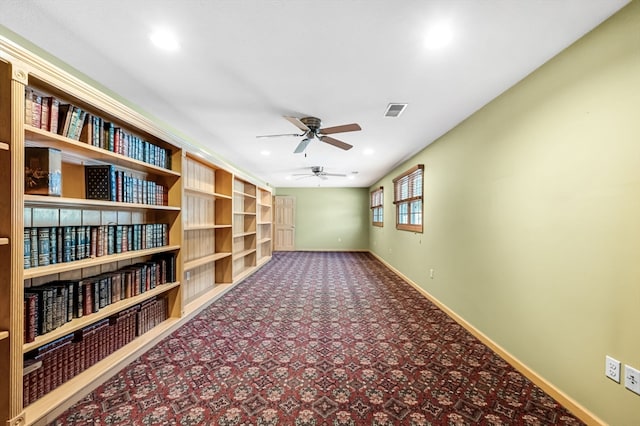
319, 339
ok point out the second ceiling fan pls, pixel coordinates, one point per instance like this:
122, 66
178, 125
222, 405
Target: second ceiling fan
311, 130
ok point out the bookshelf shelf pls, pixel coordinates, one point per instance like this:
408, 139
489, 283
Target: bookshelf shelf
105, 312
244, 194
192, 264
58, 202
4, 146
204, 227
83, 153
4, 241
4, 335
42, 271
204, 193
243, 253
243, 234
245, 213
264, 240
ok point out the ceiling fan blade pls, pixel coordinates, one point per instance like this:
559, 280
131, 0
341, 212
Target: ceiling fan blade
304, 177
335, 142
296, 122
277, 136
302, 146
353, 127
334, 174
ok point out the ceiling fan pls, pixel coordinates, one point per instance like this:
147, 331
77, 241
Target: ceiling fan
318, 171
311, 130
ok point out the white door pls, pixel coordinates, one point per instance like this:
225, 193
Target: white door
285, 223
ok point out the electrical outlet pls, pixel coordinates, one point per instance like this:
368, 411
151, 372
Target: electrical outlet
612, 369
632, 379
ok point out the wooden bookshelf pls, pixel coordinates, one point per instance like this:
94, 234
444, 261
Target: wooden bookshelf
218, 224
244, 226
264, 226
207, 226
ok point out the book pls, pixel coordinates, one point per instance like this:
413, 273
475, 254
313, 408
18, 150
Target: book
45, 112
43, 171
53, 245
44, 246
65, 112
30, 317
34, 247
53, 115
100, 182
27, 248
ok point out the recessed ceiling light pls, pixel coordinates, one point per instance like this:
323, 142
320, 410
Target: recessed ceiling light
438, 35
265, 152
164, 39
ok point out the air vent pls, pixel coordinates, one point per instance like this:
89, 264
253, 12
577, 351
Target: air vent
394, 110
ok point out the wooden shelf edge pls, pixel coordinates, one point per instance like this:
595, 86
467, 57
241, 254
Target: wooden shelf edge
203, 193
244, 234
4, 335
105, 312
243, 253
196, 191
264, 223
66, 144
41, 271
192, 264
44, 200
4, 241
246, 213
56, 402
4, 146
244, 194
199, 227
264, 240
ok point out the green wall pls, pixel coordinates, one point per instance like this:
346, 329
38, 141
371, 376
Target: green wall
532, 218
330, 218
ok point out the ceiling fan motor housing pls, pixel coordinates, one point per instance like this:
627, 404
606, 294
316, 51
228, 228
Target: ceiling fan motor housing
313, 123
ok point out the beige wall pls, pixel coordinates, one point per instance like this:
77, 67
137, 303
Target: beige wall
532, 218
330, 218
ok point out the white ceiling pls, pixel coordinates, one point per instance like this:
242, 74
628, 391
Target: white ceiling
242, 65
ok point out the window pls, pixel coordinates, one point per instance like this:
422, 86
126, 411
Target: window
377, 206
407, 196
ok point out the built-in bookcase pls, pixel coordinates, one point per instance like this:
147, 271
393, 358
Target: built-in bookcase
103, 254
157, 234
207, 227
244, 227
265, 219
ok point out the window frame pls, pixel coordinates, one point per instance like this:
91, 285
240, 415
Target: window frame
414, 193
376, 203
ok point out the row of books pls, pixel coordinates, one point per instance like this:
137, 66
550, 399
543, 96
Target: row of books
53, 364
107, 183
60, 244
52, 305
73, 122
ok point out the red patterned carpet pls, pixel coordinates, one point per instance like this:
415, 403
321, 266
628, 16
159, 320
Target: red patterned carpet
319, 339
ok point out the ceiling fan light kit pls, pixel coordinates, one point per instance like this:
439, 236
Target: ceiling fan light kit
311, 130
